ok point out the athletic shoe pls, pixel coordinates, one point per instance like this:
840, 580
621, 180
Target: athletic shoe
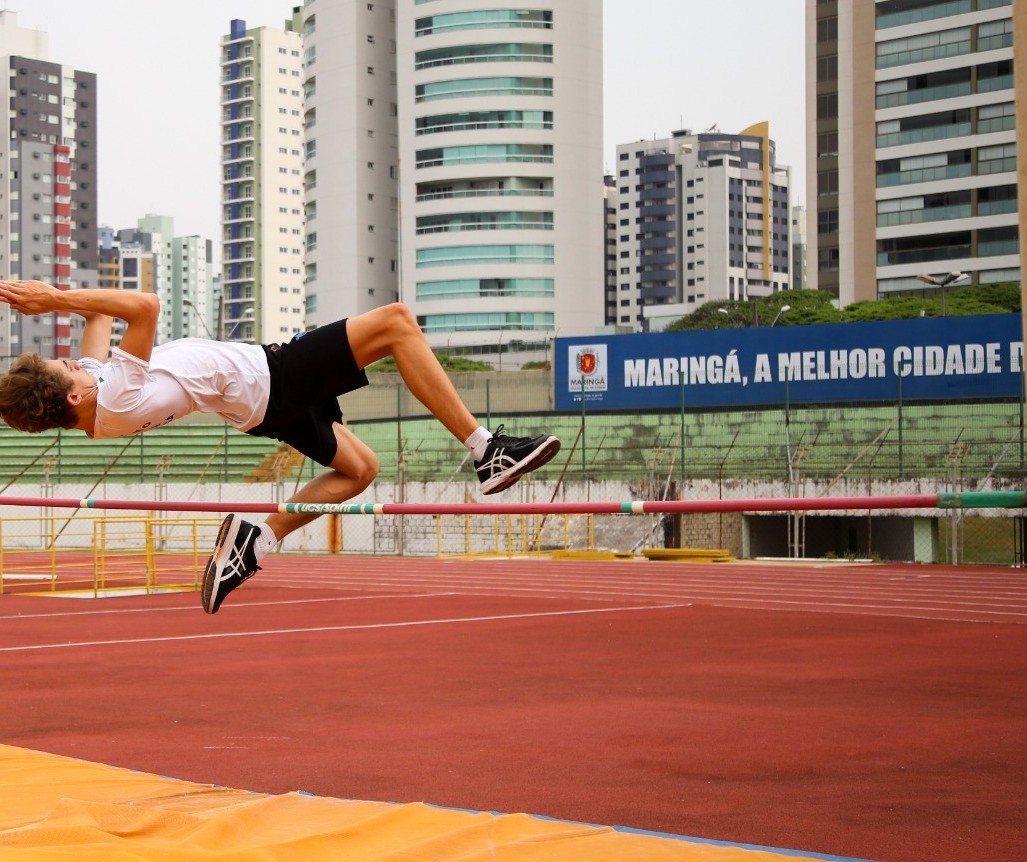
232, 562
508, 458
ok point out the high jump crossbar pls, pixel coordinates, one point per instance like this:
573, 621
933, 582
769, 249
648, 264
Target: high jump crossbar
945, 500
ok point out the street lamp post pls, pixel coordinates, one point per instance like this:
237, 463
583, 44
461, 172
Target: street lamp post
188, 303
783, 309
942, 282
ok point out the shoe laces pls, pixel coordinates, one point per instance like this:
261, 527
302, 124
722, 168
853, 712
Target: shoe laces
498, 437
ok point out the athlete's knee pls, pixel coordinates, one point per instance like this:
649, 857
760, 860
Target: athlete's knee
361, 470
367, 470
398, 320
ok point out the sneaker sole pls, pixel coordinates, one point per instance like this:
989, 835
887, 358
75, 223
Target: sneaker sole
542, 454
226, 539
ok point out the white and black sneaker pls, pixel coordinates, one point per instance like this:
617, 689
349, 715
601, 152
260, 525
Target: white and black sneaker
232, 562
508, 458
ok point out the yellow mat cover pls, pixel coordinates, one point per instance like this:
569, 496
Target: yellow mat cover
60, 808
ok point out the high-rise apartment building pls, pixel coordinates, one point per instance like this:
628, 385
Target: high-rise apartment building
501, 171
610, 218
911, 143
798, 265
351, 173
48, 155
262, 142
454, 160
192, 279
179, 269
154, 234
701, 217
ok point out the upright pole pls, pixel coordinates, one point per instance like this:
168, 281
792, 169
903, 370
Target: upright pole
682, 431
583, 459
902, 472
1023, 398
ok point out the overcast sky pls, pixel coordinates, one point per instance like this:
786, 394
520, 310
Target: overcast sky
727, 64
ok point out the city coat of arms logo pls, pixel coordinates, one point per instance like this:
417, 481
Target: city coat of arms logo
588, 370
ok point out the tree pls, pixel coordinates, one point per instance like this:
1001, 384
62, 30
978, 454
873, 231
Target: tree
816, 306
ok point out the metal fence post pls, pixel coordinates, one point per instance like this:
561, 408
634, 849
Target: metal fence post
1023, 396
682, 430
902, 470
583, 459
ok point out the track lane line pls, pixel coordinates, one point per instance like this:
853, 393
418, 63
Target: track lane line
321, 629
196, 607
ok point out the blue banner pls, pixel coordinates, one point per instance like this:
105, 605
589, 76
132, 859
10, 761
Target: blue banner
946, 358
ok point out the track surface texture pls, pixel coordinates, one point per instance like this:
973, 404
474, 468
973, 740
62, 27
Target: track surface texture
873, 711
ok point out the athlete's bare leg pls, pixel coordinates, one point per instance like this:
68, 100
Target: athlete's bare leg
352, 470
392, 331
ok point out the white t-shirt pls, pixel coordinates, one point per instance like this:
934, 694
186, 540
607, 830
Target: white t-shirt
182, 377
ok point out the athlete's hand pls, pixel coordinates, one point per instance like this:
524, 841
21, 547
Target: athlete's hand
30, 297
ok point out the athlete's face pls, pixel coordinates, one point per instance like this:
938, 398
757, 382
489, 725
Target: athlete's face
80, 382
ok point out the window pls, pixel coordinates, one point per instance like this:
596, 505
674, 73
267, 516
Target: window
827, 68
926, 46
484, 154
479, 254
479, 287
514, 52
827, 183
827, 221
827, 29
827, 106
473, 120
490, 19
491, 86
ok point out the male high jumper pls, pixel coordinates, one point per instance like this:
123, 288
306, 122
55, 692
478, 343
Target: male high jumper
288, 392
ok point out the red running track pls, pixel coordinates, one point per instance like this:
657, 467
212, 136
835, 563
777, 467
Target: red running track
872, 711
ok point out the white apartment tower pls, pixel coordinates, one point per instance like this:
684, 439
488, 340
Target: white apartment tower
352, 162
701, 217
912, 143
454, 157
155, 234
262, 298
192, 274
500, 144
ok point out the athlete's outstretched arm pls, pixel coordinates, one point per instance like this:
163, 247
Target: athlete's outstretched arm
138, 310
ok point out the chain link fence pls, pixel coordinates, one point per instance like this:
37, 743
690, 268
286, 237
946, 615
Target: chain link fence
788, 451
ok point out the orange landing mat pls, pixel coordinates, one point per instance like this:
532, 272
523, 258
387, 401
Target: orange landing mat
60, 808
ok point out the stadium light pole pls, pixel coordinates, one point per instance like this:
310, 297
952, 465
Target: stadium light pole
188, 303
784, 308
943, 281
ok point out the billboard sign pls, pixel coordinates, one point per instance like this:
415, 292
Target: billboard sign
919, 359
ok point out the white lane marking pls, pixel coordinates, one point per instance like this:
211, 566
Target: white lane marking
348, 628
196, 607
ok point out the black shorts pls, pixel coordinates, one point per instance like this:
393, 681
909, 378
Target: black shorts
308, 374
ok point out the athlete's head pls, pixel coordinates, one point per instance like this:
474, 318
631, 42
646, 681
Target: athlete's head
36, 394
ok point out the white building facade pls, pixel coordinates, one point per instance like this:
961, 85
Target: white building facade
351, 167
262, 232
500, 146
454, 161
